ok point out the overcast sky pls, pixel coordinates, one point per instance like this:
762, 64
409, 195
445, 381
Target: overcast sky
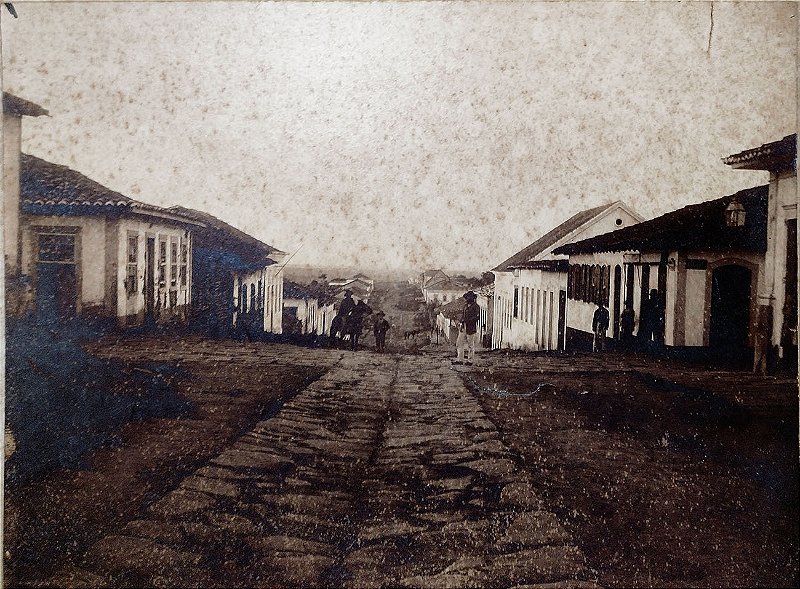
406, 135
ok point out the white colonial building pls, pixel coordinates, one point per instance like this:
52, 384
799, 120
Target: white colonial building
530, 287
93, 252
776, 322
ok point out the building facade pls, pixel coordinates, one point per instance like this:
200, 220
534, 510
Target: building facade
530, 288
93, 252
238, 286
776, 321
704, 265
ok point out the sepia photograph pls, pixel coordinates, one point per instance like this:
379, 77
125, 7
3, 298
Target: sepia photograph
399, 294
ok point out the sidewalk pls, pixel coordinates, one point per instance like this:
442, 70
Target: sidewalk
762, 395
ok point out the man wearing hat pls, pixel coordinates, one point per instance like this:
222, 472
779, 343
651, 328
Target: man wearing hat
379, 329
347, 304
468, 332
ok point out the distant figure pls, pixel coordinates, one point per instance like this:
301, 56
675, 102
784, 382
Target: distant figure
339, 322
380, 328
600, 327
626, 323
651, 324
353, 323
468, 330
347, 304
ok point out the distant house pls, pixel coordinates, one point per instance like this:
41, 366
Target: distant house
91, 251
449, 316
308, 307
776, 320
238, 283
359, 285
530, 287
705, 263
17, 286
366, 280
429, 276
441, 291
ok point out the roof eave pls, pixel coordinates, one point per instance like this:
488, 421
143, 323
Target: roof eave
20, 107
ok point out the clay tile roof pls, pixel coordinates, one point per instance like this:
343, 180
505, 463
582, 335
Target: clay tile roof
225, 235
547, 240
48, 188
293, 290
454, 309
698, 226
21, 107
770, 156
46, 183
445, 284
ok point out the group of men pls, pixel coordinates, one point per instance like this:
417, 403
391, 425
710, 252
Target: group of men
349, 321
651, 323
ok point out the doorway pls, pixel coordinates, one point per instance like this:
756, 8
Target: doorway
730, 309
56, 275
56, 291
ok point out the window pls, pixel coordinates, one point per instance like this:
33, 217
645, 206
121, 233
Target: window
253, 297
516, 302
162, 263
173, 263
132, 271
184, 264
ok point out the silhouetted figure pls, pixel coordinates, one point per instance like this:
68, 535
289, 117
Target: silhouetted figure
626, 323
651, 324
348, 304
340, 321
600, 327
354, 322
380, 328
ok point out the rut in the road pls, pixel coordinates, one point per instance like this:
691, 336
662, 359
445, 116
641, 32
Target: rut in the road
384, 472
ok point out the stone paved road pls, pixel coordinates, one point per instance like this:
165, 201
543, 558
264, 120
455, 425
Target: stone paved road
384, 472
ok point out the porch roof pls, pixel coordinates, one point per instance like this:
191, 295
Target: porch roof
548, 265
223, 236
774, 156
694, 227
21, 107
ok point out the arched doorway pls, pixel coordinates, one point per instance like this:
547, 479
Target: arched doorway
730, 308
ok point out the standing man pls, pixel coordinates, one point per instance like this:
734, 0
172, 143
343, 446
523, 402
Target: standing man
379, 329
468, 332
600, 327
626, 323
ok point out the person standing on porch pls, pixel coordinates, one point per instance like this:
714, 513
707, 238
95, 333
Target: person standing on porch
468, 332
626, 324
600, 327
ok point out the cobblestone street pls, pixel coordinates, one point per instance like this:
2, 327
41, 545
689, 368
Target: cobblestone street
383, 472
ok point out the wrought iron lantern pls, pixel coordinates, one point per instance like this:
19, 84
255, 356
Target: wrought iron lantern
734, 214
